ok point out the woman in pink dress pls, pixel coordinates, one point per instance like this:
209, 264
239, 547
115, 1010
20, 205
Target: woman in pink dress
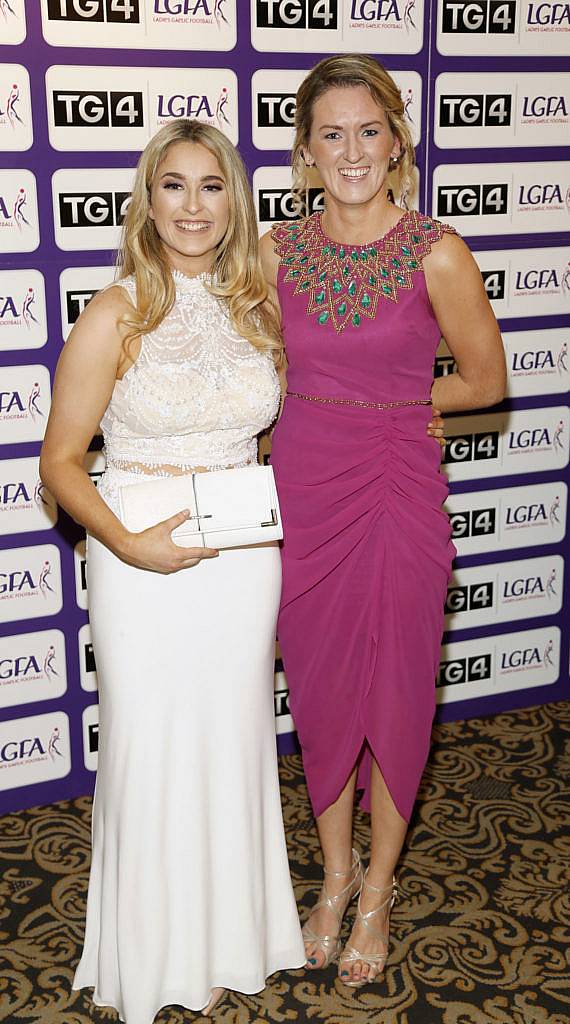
366, 290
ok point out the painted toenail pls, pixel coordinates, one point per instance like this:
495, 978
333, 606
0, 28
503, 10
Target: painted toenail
312, 960
344, 974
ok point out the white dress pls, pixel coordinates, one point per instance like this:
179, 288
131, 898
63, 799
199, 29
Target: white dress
189, 886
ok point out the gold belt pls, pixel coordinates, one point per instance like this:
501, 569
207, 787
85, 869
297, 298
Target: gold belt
356, 402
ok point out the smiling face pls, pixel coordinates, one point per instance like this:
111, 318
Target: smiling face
189, 206
351, 143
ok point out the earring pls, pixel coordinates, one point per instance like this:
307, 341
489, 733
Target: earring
393, 162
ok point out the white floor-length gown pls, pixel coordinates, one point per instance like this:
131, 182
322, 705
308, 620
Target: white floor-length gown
189, 886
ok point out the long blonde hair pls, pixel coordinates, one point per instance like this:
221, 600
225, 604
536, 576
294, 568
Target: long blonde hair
345, 70
237, 274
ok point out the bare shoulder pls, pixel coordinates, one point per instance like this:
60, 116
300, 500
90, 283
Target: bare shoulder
448, 254
269, 258
109, 304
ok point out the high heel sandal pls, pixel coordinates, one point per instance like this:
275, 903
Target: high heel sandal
374, 960
330, 945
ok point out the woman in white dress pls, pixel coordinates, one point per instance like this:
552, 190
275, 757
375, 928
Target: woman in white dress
189, 892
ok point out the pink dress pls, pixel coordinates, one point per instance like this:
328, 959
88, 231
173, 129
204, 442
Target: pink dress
367, 551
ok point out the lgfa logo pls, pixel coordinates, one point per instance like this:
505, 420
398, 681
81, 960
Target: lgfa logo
547, 17
201, 12
538, 439
540, 361
13, 212
544, 196
201, 107
544, 110
32, 748
535, 514
402, 15
519, 659
16, 496
543, 281
18, 312
28, 667
21, 583
525, 587
14, 405
9, 113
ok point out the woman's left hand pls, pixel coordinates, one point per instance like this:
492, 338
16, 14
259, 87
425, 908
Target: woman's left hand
435, 426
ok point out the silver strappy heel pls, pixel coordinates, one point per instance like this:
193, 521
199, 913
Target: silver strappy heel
330, 945
376, 960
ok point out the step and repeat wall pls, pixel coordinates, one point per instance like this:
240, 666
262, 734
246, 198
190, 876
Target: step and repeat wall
83, 86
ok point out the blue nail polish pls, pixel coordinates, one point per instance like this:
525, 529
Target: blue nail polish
312, 960
344, 974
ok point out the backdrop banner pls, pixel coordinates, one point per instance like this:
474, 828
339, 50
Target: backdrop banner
83, 86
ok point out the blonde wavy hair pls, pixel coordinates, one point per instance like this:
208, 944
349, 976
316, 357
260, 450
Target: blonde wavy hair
342, 71
237, 273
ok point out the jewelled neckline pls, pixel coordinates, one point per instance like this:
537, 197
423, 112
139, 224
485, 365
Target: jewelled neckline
343, 283
374, 243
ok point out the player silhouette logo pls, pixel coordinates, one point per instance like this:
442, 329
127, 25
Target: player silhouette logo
6, 9
550, 591
562, 361
221, 116
408, 99
44, 583
27, 312
18, 214
219, 13
33, 407
566, 279
553, 513
49, 663
408, 14
53, 749
557, 441
546, 657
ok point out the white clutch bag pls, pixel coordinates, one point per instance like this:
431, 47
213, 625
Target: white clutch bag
229, 508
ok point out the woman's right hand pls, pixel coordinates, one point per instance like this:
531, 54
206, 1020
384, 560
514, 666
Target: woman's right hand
155, 550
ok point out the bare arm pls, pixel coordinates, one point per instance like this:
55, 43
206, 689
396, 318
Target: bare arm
469, 327
84, 381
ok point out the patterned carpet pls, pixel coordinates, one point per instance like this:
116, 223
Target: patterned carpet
481, 939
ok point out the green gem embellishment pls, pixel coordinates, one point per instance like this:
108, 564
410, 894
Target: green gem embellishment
342, 252
373, 251
426, 225
341, 309
372, 279
322, 319
400, 279
386, 288
304, 259
320, 297
333, 250
294, 273
323, 276
346, 271
289, 260
352, 289
325, 250
416, 239
300, 247
413, 264
365, 301
364, 256
396, 262
354, 255
336, 286
384, 272
357, 319
406, 251
312, 268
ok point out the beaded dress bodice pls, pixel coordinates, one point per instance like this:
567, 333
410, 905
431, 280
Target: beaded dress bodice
198, 394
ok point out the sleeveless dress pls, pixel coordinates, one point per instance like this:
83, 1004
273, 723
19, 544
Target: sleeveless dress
367, 551
189, 886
